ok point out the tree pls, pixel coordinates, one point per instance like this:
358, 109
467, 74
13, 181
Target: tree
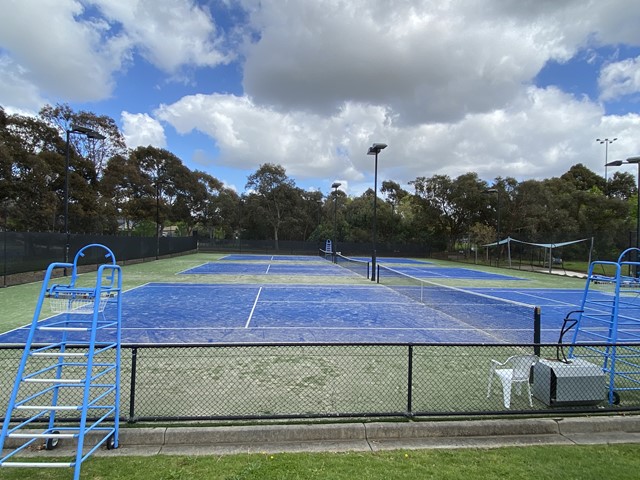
164, 183
449, 206
62, 116
276, 194
622, 185
122, 183
31, 173
583, 178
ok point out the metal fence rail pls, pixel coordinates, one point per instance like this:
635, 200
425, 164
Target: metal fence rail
220, 382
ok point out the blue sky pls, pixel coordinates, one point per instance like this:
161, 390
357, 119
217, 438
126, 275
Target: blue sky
517, 88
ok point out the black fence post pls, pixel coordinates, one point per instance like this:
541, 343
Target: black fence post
132, 390
410, 381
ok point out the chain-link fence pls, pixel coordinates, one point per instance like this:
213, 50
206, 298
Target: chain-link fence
213, 382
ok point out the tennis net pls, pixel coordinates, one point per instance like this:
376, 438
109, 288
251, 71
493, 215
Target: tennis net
361, 267
326, 254
505, 320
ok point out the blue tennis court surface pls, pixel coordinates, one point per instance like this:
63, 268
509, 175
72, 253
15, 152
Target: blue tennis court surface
451, 272
229, 268
268, 266
271, 258
160, 313
396, 260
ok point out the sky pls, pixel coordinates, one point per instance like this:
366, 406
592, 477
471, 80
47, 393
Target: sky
503, 88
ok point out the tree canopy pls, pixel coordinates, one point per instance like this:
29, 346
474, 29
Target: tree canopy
116, 190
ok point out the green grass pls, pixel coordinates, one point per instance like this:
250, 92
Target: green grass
618, 462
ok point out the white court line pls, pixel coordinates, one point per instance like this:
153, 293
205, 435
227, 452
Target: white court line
357, 328
191, 268
268, 267
253, 308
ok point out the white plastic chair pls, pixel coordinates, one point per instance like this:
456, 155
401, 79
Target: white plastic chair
514, 370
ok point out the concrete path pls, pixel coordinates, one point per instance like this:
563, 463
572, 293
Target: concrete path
368, 437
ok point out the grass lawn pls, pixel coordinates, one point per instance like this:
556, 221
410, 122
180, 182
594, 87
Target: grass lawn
544, 462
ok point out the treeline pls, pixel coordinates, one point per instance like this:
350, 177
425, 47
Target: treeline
143, 191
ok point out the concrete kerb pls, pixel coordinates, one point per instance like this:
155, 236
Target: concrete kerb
374, 436
385, 435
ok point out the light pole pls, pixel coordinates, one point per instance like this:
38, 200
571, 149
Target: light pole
334, 244
607, 142
89, 133
157, 219
319, 202
491, 191
632, 161
375, 150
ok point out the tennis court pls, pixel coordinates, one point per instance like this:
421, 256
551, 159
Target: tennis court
452, 272
244, 257
161, 313
269, 267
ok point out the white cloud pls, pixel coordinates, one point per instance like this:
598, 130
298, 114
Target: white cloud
619, 79
56, 52
141, 130
448, 85
70, 50
16, 90
168, 33
429, 61
541, 133
307, 145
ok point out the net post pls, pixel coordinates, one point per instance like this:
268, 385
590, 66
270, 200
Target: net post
536, 330
377, 274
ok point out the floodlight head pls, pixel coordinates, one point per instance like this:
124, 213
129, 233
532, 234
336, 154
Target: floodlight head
95, 135
335, 184
88, 132
615, 163
491, 190
633, 160
375, 148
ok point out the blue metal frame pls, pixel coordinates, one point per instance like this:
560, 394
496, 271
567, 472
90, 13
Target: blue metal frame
602, 320
83, 314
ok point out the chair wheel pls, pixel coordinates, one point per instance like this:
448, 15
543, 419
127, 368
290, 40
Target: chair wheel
616, 398
51, 443
111, 442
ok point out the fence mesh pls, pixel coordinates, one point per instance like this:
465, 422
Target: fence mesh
290, 381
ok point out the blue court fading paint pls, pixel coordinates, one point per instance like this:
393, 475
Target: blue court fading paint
216, 313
